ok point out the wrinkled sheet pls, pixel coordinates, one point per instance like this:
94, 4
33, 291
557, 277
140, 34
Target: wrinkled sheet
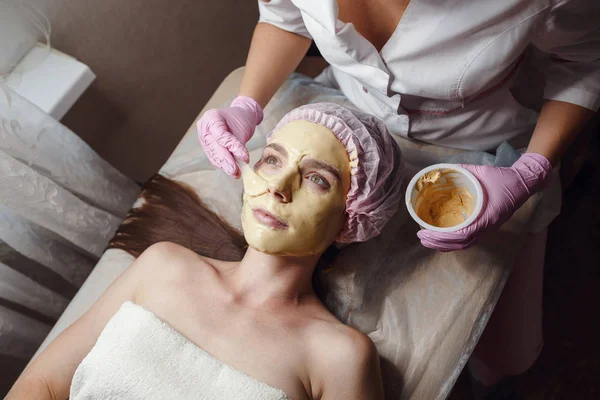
424, 310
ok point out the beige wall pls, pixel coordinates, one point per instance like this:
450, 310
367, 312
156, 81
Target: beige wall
157, 63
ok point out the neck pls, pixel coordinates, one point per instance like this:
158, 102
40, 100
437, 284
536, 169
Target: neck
268, 280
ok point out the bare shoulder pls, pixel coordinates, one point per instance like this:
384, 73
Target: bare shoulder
166, 249
345, 345
345, 363
171, 261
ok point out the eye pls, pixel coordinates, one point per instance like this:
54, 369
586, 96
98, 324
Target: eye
271, 160
318, 180
268, 162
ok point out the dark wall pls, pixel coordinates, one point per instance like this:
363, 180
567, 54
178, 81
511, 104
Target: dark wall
157, 63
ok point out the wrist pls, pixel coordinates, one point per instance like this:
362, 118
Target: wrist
249, 104
535, 170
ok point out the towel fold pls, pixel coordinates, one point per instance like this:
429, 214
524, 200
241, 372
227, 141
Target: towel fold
138, 356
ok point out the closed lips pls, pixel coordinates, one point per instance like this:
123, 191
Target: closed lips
268, 219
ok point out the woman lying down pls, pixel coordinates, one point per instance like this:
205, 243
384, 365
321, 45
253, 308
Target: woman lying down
180, 325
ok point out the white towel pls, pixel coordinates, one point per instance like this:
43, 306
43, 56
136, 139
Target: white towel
138, 356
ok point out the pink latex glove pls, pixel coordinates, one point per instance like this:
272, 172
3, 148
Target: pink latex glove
224, 133
504, 190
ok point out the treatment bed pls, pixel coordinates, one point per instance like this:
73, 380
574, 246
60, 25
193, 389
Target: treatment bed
424, 310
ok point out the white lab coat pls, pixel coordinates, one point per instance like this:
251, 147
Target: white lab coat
452, 71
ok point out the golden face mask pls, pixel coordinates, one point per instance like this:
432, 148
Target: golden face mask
295, 198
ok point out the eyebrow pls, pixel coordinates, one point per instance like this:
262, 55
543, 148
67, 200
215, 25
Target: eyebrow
279, 148
311, 162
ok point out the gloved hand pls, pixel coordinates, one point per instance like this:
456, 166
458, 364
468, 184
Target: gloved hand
224, 133
505, 190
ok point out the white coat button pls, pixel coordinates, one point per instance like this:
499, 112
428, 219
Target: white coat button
365, 89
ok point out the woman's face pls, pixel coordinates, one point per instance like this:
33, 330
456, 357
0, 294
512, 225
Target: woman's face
296, 205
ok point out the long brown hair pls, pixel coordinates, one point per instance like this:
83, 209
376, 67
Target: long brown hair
172, 211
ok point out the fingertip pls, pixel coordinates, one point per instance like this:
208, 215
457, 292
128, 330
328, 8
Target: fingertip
243, 155
430, 246
227, 163
422, 233
440, 245
426, 242
232, 167
236, 173
239, 151
425, 234
246, 157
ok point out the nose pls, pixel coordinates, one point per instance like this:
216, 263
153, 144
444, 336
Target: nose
282, 195
281, 187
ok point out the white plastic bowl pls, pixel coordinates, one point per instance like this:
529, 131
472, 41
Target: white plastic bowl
462, 178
